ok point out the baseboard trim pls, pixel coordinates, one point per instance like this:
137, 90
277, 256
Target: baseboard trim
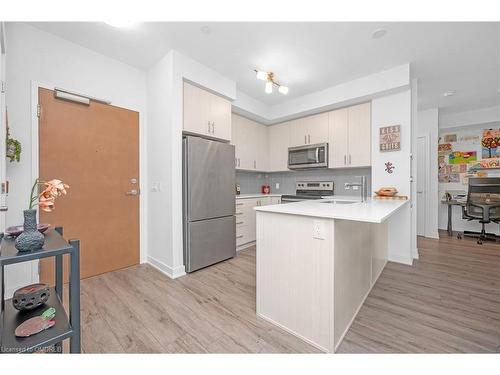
293, 333
246, 245
401, 259
173, 273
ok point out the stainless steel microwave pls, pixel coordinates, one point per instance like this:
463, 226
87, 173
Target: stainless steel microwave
308, 156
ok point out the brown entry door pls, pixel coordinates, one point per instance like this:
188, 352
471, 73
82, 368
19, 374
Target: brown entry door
95, 150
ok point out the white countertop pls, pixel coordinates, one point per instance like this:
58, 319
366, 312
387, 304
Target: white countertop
372, 211
243, 196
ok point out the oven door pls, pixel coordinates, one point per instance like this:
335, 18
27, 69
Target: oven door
310, 156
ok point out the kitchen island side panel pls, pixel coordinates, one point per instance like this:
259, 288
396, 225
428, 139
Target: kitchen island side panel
295, 276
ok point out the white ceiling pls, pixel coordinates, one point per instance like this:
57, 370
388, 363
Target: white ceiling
462, 56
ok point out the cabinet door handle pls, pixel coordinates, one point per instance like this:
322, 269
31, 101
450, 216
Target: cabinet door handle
239, 222
254, 164
239, 213
209, 126
240, 236
213, 127
305, 139
345, 158
239, 204
309, 138
349, 158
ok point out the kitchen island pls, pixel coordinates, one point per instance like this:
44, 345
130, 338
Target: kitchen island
317, 262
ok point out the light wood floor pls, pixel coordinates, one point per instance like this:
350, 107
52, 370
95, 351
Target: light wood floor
449, 301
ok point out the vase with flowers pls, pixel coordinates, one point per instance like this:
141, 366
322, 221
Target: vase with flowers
43, 195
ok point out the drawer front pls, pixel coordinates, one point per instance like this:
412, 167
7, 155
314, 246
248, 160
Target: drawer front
242, 235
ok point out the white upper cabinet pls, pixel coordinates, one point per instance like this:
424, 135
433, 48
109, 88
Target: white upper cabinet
338, 138
350, 137
360, 135
279, 141
206, 113
317, 128
309, 130
251, 144
298, 133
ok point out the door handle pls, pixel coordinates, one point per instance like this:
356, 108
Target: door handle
132, 192
317, 154
309, 138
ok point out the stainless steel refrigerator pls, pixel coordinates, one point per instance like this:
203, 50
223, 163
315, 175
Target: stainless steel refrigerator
208, 202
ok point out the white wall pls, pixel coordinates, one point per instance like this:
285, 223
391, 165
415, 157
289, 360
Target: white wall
427, 125
165, 103
34, 55
467, 118
395, 110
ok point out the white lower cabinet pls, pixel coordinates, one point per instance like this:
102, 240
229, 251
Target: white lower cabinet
245, 218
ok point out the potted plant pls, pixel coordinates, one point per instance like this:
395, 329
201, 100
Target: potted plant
43, 194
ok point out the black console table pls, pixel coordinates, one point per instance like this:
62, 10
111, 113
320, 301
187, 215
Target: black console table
65, 328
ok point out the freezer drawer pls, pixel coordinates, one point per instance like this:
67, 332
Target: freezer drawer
209, 241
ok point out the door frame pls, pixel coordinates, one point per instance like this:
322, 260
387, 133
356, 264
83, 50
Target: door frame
427, 230
35, 85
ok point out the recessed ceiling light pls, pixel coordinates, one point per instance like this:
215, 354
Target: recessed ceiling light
379, 33
120, 23
205, 29
450, 93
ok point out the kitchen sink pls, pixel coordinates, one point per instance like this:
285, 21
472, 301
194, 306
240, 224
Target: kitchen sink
340, 202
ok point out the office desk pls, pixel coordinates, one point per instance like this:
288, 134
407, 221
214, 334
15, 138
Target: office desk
451, 203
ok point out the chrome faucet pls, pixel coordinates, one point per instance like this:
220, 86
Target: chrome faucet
361, 184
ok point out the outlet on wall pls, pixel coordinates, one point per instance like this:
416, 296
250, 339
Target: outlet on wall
346, 186
319, 229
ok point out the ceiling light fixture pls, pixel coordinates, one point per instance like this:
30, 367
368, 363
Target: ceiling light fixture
120, 23
379, 33
449, 93
270, 82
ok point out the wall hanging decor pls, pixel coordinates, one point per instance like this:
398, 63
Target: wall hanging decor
490, 142
390, 138
462, 157
30, 296
389, 167
12, 146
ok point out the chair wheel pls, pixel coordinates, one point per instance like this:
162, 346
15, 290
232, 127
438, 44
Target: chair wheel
459, 236
479, 242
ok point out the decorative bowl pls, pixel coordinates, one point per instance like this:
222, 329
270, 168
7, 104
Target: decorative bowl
386, 192
18, 229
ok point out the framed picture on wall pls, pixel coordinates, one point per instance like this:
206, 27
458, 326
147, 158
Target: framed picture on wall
390, 138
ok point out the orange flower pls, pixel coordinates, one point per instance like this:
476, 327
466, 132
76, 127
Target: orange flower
46, 203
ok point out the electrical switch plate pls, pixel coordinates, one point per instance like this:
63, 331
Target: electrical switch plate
319, 229
346, 186
277, 185
156, 187
355, 188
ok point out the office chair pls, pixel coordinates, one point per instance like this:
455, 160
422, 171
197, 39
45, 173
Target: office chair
483, 204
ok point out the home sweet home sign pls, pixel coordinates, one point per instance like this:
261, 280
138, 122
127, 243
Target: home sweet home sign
390, 138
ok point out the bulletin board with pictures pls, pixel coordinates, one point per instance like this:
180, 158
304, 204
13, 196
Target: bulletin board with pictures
468, 154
